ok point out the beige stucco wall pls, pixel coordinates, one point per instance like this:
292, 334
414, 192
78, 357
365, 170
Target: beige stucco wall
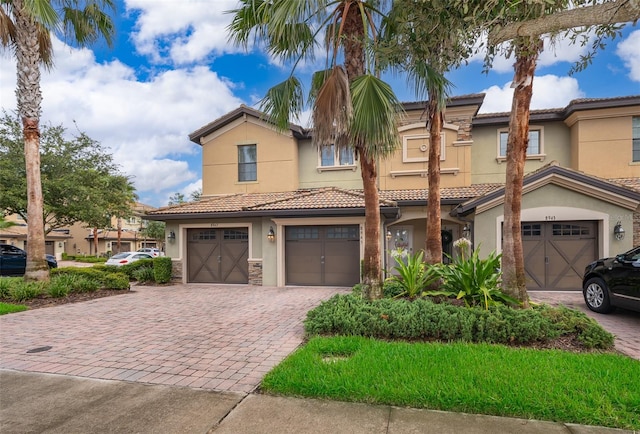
311, 176
486, 168
555, 203
407, 167
602, 144
277, 159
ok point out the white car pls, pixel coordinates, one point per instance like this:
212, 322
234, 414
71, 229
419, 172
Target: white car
123, 258
151, 251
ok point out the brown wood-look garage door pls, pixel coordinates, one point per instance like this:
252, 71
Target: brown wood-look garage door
322, 255
556, 253
218, 255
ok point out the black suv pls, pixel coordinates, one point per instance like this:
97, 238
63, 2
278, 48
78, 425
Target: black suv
13, 261
613, 282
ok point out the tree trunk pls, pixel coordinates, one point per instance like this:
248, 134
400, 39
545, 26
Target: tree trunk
371, 268
609, 12
434, 236
95, 241
355, 67
119, 234
29, 99
514, 281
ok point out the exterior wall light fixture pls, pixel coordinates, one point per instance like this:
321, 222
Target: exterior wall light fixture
389, 236
172, 236
271, 235
618, 231
466, 231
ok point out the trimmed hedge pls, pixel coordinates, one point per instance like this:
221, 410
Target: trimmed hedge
162, 268
422, 319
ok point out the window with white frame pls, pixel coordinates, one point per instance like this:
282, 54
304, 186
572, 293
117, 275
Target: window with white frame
247, 163
534, 147
635, 152
332, 156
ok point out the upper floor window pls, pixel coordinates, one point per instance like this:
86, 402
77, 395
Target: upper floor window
331, 156
636, 139
533, 149
247, 163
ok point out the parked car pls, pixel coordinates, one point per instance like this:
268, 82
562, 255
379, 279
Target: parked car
123, 258
13, 260
613, 282
151, 251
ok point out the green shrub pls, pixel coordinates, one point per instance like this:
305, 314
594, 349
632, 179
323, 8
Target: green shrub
392, 288
87, 284
88, 272
475, 280
61, 285
143, 274
587, 330
414, 275
115, 281
128, 269
162, 268
90, 259
6, 283
26, 290
65, 257
422, 319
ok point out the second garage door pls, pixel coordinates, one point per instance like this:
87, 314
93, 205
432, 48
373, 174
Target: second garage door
322, 255
556, 253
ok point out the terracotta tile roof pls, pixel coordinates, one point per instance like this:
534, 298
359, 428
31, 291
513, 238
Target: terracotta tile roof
316, 198
631, 183
467, 192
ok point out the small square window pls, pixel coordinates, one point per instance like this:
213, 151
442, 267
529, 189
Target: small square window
533, 148
635, 153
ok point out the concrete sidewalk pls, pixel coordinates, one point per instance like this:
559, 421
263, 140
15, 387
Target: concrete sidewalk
50, 403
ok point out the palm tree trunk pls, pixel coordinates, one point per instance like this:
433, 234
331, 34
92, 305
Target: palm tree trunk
371, 268
514, 281
434, 236
29, 99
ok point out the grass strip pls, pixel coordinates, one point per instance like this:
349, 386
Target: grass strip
6, 308
587, 388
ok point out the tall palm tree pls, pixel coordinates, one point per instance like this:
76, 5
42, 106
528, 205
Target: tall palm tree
352, 106
25, 28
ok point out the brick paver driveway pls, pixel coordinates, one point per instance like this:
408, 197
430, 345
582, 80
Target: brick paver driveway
203, 336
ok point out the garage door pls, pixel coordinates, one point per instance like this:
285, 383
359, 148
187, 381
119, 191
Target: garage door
322, 255
218, 255
555, 253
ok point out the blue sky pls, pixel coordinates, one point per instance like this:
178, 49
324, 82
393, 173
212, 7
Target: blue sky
171, 70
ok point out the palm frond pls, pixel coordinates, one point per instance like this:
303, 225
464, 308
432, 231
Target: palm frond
283, 101
86, 25
427, 80
250, 18
376, 111
332, 109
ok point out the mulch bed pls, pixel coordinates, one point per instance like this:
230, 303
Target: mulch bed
47, 301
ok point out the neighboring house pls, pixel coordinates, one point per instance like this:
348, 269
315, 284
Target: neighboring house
17, 236
277, 211
78, 238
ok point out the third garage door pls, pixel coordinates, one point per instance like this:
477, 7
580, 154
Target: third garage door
555, 253
322, 255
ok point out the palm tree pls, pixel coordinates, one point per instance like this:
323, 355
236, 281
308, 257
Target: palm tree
352, 107
25, 29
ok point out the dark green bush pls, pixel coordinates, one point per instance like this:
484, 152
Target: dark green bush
22, 290
392, 288
129, 269
143, 274
587, 330
115, 281
424, 320
61, 285
90, 259
162, 268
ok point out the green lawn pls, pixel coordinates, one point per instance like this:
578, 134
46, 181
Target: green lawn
589, 388
10, 308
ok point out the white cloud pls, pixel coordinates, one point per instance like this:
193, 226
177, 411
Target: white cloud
629, 51
182, 32
144, 124
549, 91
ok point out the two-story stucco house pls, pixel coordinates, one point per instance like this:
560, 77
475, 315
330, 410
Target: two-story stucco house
278, 211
